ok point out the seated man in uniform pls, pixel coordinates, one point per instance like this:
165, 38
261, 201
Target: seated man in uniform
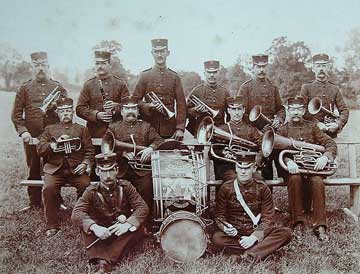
69, 156
299, 129
236, 127
112, 211
244, 213
131, 130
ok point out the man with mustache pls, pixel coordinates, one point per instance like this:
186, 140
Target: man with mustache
111, 211
261, 91
210, 93
29, 120
166, 84
330, 95
133, 131
302, 130
67, 162
101, 96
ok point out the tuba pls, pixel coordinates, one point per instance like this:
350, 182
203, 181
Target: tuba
304, 154
258, 119
196, 101
315, 106
153, 98
52, 97
68, 145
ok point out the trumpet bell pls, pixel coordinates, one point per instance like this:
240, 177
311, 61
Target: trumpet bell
108, 143
314, 105
257, 118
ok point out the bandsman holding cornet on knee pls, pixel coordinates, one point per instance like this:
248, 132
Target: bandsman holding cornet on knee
309, 159
70, 155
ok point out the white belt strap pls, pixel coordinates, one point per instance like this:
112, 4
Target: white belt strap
240, 198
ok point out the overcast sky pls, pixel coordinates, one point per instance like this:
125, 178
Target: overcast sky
197, 30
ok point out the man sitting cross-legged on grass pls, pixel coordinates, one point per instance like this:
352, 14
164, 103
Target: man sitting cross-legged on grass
244, 213
69, 155
111, 211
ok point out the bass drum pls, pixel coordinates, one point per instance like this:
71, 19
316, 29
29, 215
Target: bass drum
182, 236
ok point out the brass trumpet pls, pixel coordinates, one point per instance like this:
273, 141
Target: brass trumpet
52, 97
208, 132
315, 106
68, 146
153, 98
197, 102
304, 154
258, 119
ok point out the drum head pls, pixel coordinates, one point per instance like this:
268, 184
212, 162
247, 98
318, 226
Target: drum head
183, 240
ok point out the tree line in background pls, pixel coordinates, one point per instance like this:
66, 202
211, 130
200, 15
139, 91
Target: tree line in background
289, 69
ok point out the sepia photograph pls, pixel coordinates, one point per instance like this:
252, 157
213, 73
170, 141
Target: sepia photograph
179, 137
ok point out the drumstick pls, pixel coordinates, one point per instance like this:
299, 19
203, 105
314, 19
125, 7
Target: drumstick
227, 225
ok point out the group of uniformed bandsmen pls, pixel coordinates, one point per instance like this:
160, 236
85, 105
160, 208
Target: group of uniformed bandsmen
116, 210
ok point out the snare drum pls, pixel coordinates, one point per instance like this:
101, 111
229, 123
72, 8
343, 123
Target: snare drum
182, 236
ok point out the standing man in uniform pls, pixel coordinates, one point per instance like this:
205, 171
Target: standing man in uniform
70, 155
330, 96
30, 120
111, 211
140, 133
101, 96
299, 129
261, 91
244, 214
166, 85
210, 93
236, 127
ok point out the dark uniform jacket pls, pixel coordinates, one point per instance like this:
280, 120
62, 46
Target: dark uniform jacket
265, 94
308, 132
54, 161
330, 96
144, 135
167, 85
215, 98
26, 114
257, 196
244, 131
91, 102
103, 207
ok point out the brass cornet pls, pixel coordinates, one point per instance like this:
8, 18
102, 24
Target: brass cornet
196, 101
52, 97
153, 98
68, 146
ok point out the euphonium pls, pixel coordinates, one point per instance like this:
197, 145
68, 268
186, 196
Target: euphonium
304, 154
52, 97
156, 100
315, 106
196, 101
208, 132
258, 119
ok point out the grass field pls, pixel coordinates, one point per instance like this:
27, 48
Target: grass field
24, 248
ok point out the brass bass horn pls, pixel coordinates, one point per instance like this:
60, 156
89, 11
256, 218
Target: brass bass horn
304, 154
197, 102
207, 132
156, 100
315, 106
257, 118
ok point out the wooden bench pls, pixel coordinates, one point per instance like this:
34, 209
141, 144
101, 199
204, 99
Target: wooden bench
353, 211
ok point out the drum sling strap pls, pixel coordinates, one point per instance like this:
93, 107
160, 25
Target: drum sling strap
240, 198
